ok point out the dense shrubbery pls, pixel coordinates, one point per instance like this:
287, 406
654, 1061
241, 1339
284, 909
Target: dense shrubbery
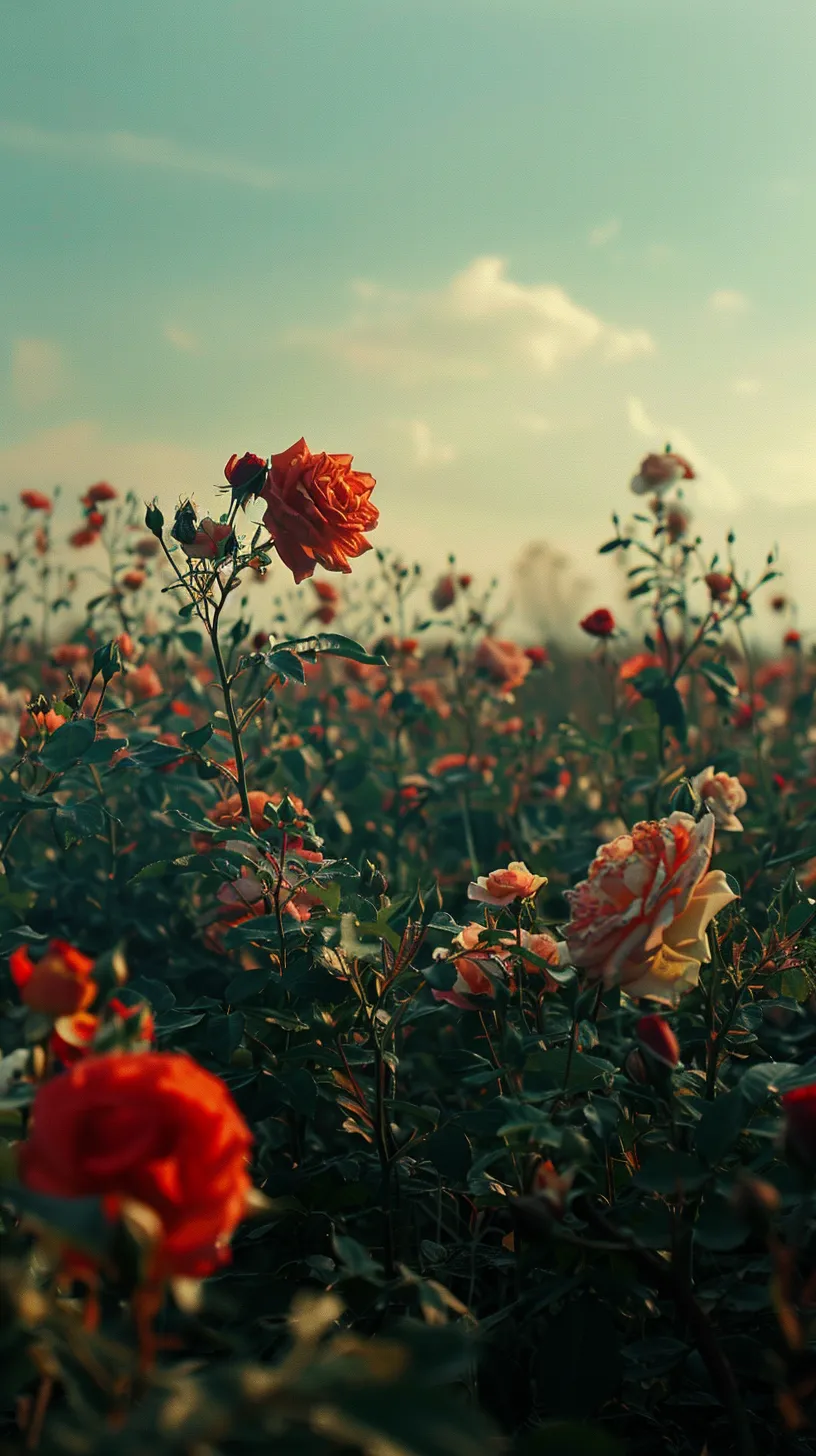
408, 1047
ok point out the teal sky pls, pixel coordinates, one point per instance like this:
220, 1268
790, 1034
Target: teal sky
495, 248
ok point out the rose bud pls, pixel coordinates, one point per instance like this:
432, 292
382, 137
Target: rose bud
792, 638
719, 585
658, 471
34, 500
246, 474
102, 491
208, 537
658, 1041
538, 656
444, 593
599, 623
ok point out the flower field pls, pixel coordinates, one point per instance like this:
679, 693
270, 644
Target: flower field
408, 1034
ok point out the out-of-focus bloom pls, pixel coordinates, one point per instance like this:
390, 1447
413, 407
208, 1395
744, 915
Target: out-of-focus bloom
659, 471
72, 1037
125, 644
144, 682
723, 794
12, 706
552, 1187
95, 520
70, 654
41, 541
208, 537
464, 581
632, 668
133, 579
677, 523
85, 536
444, 593
58, 984
102, 491
538, 656
35, 500
150, 1128
778, 603
799, 1108
639, 919
326, 591
719, 584
510, 726
807, 874
317, 510
245, 471
429, 692
599, 623
792, 638
502, 887
450, 763
658, 1040
504, 662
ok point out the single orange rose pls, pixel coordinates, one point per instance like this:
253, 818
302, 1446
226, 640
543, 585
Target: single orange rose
58, 984
317, 510
152, 1128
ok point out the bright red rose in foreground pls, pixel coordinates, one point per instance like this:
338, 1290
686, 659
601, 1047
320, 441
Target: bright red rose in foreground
639, 919
152, 1128
34, 500
317, 510
599, 623
58, 984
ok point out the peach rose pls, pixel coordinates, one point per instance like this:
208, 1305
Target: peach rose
60, 983
477, 974
505, 662
640, 917
658, 471
317, 510
723, 794
208, 537
502, 887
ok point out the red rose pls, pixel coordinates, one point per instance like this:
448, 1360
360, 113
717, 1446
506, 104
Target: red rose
443, 593
99, 492
245, 470
58, 984
133, 579
152, 1128
658, 1040
85, 536
719, 585
599, 623
799, 1107
317, 510
537, 655
792, 638
34, 500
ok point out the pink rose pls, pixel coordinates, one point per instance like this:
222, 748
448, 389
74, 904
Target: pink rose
658, 471
640, 917
477, 974
724, 795
501, 887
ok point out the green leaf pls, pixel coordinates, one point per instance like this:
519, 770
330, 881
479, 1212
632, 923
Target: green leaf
245, 985
67, 745
720, 1126
664, 1171
195, 738
330, 643
78, 1222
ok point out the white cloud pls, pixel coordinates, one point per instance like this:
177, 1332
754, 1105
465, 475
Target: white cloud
37, 374
479, 323
789, 475
125, 149
746, 387
180, 339
605, 232
712, 485
728, 302
428, 451
76, 454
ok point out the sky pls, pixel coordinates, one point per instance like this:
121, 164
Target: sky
496, 249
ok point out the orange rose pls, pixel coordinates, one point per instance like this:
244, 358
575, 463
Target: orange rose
144, 681
502, 887
505, 662
152, 1128
476, 975
639, 919
58, 984
317, 510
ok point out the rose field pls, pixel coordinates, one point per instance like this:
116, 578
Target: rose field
408, 1033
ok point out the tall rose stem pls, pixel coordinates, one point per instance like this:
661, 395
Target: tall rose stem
229, 706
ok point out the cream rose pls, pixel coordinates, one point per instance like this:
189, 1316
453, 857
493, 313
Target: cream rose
723, 794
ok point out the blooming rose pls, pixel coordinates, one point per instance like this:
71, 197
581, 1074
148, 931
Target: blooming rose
477, 974
34, 500
599, 623
208, 537
501, 887
58, 984
245, 471
317, 510
724, 795
144, 681
639, 919
505, 662
85, 536
151, 1128
102, 491
538, 656
133, 579
658, 471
